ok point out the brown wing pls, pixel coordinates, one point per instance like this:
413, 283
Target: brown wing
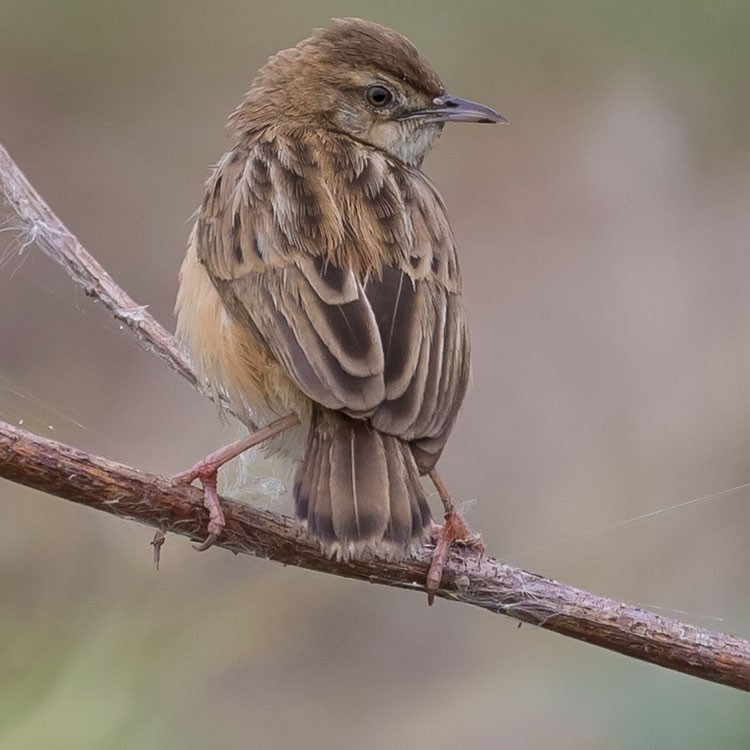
344, 263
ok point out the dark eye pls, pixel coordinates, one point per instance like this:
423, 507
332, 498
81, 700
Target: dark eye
378, 96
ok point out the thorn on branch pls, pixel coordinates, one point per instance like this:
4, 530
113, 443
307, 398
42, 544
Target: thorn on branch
157, 542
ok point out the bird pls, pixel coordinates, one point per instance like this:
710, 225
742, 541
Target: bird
322, 286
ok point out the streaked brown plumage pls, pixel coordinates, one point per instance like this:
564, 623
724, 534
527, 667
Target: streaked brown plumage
322, 279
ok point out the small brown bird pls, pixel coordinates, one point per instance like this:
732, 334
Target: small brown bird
321, 280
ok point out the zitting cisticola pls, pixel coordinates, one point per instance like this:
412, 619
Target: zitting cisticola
321, 279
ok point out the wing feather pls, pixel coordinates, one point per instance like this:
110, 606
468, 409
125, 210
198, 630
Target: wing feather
343, 263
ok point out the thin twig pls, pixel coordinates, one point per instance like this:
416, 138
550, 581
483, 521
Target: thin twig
480, 581
40, 225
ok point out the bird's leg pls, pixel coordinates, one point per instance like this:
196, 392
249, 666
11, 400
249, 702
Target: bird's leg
206, 470
453, 530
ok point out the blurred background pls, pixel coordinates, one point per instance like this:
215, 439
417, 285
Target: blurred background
604, 239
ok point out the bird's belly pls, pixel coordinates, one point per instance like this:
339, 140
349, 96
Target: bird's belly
234, 361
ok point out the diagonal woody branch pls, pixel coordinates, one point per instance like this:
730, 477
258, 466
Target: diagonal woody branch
480, 581
40, 225
113, 488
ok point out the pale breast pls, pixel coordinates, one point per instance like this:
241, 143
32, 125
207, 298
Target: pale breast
230, 357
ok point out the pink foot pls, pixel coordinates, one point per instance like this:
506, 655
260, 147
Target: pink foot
453, 530
206, 471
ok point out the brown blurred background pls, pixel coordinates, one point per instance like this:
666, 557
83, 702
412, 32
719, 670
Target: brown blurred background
604, 237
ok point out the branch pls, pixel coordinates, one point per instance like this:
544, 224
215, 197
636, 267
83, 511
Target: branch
43, 227
175, 507
480, 581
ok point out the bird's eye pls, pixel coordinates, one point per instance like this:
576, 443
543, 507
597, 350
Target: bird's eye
378, 96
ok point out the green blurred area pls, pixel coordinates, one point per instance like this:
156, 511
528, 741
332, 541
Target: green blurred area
604, 239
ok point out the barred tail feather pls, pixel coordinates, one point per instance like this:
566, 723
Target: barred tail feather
358, 488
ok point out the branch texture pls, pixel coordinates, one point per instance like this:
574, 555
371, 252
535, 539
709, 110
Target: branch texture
480, 581
178, 508
42, 226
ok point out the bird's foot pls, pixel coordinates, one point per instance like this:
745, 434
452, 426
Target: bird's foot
454, 530
207, 471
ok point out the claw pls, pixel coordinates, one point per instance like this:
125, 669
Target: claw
188, 477
443, 543
209, 541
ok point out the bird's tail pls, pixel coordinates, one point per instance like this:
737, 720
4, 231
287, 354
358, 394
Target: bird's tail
358, 488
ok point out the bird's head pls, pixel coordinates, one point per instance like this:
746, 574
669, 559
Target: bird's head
361, 79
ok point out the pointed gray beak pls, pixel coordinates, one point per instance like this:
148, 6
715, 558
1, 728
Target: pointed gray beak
454, 109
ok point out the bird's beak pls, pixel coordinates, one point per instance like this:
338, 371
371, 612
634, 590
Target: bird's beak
454, 109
